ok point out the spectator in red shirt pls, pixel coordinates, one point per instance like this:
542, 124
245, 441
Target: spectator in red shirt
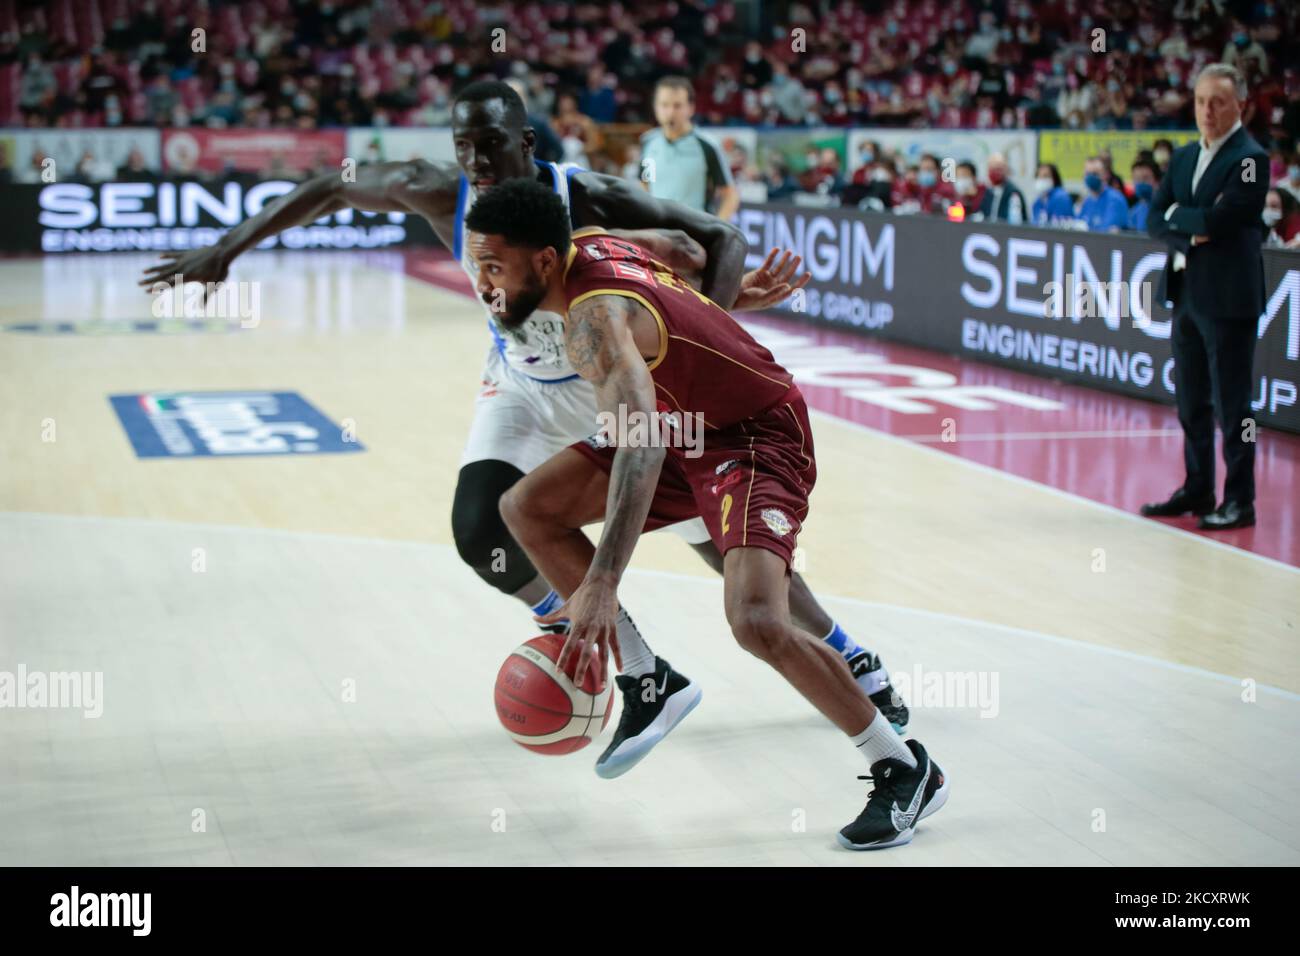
927, 192
970, 191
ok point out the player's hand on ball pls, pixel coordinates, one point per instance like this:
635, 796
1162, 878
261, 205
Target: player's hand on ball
771, 282
197, 265
592, 611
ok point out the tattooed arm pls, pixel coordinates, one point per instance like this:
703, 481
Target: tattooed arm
603, 351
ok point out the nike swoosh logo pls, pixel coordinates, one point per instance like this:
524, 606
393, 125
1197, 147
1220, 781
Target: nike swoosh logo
660, 690
903, 821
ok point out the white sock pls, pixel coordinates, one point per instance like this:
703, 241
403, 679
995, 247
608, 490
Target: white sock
638, 659
880, 742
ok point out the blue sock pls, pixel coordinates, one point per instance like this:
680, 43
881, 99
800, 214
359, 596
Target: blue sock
548, 604
848, 648
839, 639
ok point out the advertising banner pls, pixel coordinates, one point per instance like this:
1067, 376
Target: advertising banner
167, 216
1068, 149
225, 424
288, 153
1077, 307
89, 155
383, 144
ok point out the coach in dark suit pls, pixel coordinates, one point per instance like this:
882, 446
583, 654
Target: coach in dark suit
1208, 211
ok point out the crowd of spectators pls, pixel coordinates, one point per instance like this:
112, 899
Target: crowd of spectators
1087, 64
1107, 200
979, 64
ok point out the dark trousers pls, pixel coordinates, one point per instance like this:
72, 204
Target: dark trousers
1213, 361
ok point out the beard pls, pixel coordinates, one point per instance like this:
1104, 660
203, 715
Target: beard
520, 306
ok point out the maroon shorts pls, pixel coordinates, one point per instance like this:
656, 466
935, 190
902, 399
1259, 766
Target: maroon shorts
750, 484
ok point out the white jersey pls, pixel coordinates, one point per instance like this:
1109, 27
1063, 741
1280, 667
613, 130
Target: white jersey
532, 404
536, 349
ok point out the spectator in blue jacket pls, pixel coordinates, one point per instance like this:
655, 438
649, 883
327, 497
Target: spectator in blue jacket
1052, 203
1104, 207
1145, 181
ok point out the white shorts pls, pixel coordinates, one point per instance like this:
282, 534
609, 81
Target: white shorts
524, 421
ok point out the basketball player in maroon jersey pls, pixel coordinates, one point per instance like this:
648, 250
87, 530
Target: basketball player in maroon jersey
658, 351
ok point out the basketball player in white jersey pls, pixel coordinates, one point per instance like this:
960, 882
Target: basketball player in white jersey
532, 404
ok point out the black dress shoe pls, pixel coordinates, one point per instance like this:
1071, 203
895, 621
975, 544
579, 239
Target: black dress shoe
1230, 515
1180, 503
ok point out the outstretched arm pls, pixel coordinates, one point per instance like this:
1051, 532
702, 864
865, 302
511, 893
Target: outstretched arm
417, 186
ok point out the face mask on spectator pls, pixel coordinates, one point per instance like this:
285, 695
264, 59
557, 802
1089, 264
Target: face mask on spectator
926, 178
950, 68
1044, 184
867, 156
1093, 182
1293, 173
1271, 216
1241, 39
1162, 156
965, 185
1144, 191
997, 176
1175, 79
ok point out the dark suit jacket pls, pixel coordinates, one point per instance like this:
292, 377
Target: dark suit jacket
1004, 204
1224, 278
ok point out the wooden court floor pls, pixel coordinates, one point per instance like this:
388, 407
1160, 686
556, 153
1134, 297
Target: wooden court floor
321, 688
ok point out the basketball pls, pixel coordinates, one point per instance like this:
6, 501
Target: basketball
540, 706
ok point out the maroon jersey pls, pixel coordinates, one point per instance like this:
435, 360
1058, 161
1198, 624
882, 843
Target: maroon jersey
707, 364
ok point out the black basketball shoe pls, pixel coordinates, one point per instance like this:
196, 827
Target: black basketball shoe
901, 799
653, 705
886, 699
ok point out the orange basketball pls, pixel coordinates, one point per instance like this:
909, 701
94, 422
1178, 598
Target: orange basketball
540, 706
